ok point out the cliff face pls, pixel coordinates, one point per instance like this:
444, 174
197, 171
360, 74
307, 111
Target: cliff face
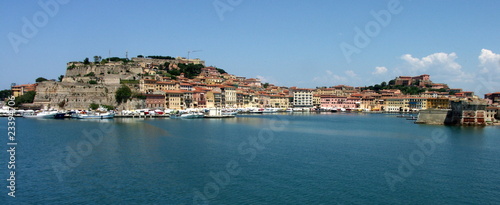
74, 96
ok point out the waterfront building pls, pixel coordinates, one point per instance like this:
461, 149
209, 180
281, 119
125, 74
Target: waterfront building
316, 100
187, 99
174, 99
370, 103
467, 112
396, 104
438, 103
303, 98
228, 94
155, 101
417, 103
199, 100
279, 101
214, 98
331, 101
492, 114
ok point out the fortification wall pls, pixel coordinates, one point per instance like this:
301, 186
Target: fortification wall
76, 96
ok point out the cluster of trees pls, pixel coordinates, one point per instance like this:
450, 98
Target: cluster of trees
123, 94
409, 90
40, 79
190, 70
221, 71
4, 94
158, 57
28, 97
116, 59
164, 66
99, 59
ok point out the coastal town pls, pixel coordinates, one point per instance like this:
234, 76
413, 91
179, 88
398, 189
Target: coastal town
168, 83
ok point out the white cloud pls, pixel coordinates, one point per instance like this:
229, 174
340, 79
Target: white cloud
380, 70
441, 65
350, 73
268, 79
329, 78
442, 61
487, 80
489, 61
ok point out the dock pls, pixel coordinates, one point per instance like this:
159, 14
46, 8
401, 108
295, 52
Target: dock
142, 116
219, 116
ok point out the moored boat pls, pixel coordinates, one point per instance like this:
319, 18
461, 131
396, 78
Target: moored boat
98, 115
44, 114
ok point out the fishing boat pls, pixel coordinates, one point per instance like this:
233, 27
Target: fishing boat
269, 110
258, 111
192, 115
43, 114
97, 115
230, 113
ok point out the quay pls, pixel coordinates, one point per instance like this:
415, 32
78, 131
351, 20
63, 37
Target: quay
142, 116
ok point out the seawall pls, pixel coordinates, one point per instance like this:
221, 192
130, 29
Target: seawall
433, 117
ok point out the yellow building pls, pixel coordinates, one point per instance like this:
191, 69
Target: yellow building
214, 98
167, 85
438, 103
395, 104
279, 101
147, 85
174, 99
18, 90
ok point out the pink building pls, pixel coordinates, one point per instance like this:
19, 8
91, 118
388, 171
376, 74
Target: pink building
331, 101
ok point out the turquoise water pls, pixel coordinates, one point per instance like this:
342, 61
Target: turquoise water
252, 159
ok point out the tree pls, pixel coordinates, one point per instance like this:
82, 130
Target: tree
221, 71
5, 94
392, 82
104, 61
383, 84
97, 59
86, 61
123, 94
166, 65
60, 78
93, 106
190, 70
265, 85
92, 82
40, 79
28, 97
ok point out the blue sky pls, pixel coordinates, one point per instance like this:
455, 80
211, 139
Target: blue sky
291, 43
